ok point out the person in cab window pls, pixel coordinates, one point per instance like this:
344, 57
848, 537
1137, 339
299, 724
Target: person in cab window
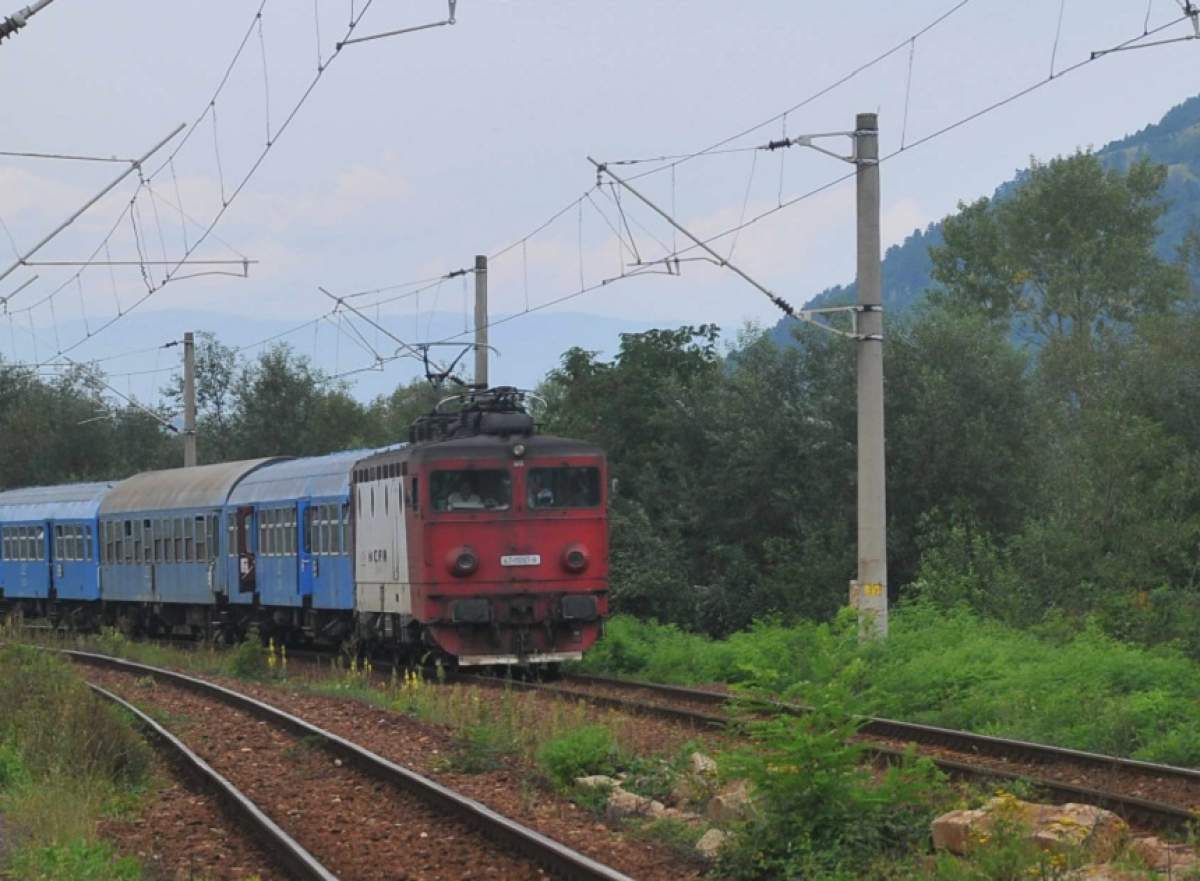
464, 498
540, 494
580, 491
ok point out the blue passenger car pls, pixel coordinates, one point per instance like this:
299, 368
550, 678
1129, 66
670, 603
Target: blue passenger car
298, 524
48, 542
161, 533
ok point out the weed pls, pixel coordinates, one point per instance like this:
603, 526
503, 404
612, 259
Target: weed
66, 758
590, 798
591, 749
479, 748
77, 860
12, 769
1005, 852
1078, 688
673, 834
648, 776
304, 745
55, 722
111, 641
249, 659
817, 808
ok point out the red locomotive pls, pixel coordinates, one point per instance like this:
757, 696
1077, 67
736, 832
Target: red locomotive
481, 538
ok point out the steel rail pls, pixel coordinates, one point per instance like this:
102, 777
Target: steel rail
1146, 811
553, 856
245, 813
961, 741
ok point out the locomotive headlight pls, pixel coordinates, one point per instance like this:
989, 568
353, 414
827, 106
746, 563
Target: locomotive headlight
575, 558
462, 561
518, 450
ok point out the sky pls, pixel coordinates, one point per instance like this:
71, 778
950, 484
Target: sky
413, 153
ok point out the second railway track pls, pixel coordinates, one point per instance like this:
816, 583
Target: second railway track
1159, 796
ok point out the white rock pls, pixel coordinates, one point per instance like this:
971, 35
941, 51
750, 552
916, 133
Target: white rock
703, 765
1161, 856
1066, 829
597, 781
731, 804
622, 804
711, 842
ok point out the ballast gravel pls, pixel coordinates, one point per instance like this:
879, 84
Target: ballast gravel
359, 828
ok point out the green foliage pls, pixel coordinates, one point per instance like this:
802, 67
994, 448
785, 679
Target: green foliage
12, 769
74, 861
591, 798
481, 747
818, 809
51, 434
55, 723
249, 659
1006, 852
655, 776
675, 835
1070, 251
591, 749
66, 759
1055, 683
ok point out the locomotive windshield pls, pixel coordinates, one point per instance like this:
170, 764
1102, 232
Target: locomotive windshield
564, 487
471, 490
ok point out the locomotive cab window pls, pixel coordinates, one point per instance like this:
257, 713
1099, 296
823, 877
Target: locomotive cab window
470, 490
565, 487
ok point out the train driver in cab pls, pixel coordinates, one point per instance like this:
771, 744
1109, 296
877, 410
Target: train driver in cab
464, 498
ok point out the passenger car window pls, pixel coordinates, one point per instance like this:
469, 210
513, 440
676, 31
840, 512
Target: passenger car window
565, 487
470, 490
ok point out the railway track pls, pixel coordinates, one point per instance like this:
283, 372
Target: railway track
511, 845
1153, 795
289, 853
1150, 795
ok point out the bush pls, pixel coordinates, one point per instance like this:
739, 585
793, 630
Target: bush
591, 749
64, 756
1063, 683
53, 722
818, 809
249, 659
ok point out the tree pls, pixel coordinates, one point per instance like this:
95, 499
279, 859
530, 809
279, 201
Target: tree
965, 431
283, 406
394, 414
66, 430
1065, 258
217, 370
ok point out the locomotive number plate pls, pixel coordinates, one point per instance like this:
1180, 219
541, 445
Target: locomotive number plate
521, 560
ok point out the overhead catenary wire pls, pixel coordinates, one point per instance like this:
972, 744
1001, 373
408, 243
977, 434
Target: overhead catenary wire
781, 204
703, 242
75, 215
72, 157
1062, 8
943, 130
809, 99
229, 197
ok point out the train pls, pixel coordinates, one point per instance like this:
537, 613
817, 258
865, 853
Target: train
479, 541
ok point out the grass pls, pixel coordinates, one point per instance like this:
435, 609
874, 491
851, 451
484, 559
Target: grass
66, 760
250, 660
78, 860
1074, 687
581, 752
